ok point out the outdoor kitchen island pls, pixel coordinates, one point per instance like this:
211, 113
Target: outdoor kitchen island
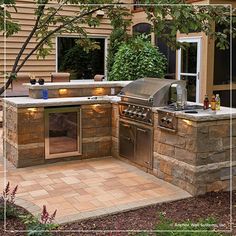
73, 123
195, 156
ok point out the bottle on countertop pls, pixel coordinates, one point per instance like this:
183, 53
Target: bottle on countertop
213, 103
206, 103
217, 102
45, 93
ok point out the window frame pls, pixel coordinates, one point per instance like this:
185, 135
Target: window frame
89, 36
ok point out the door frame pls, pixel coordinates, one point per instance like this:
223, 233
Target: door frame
47, 112
198, 40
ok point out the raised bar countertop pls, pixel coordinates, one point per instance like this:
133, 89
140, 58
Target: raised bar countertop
78, 84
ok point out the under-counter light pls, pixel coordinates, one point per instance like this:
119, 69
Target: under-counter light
63, 92
99, 91
188, 122
32, 109
97, 108
31, 112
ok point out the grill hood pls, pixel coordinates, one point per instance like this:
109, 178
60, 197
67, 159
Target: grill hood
149, 91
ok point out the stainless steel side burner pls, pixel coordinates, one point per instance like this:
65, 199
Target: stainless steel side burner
172, 107
167, 121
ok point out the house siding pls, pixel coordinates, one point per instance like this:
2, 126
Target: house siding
41, 67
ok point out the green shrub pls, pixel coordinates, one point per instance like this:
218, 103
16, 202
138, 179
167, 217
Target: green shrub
81, 59
117, 38
11, 211
136, 59
42, 226
120, 21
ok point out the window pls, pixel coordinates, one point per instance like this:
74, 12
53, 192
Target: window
72, 58
169, 54
142, 28
222, 63
225, 97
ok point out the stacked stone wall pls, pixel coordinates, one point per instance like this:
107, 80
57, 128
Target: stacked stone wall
25, 133
196, 157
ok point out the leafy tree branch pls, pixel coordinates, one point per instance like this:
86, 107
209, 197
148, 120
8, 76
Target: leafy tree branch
48, 16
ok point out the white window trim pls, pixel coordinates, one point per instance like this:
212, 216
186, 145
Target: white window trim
196, 39
89, 36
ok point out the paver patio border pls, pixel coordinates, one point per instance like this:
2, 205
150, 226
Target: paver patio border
119, 209
29, 206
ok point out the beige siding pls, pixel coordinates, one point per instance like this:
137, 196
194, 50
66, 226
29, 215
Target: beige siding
25, 17
231, 2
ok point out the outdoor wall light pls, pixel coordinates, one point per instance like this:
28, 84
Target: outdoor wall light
63, 92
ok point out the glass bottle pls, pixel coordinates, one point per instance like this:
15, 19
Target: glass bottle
45, 93
206, 103
217, 102
213, 103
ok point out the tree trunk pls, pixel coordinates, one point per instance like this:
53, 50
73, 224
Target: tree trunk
6, 85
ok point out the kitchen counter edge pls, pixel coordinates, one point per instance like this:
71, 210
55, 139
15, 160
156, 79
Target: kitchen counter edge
203, 115
26, 102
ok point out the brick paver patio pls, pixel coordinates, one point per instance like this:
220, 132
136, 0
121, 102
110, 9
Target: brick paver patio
82, 189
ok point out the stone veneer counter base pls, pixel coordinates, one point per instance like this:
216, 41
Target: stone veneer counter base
198, 156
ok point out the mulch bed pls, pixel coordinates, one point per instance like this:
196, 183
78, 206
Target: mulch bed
13, 224
214, 205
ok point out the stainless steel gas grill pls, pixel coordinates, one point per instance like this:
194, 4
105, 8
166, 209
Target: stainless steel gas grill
136, 117
138, 97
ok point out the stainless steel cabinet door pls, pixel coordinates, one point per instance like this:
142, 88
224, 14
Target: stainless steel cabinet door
126, 140
143, 147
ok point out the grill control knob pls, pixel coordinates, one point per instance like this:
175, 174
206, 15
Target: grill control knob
144, 116
128, 110
163, 119
169, 121
139, 114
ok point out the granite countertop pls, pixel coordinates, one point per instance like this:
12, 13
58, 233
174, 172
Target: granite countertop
79, 84
204, 115
31, 102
